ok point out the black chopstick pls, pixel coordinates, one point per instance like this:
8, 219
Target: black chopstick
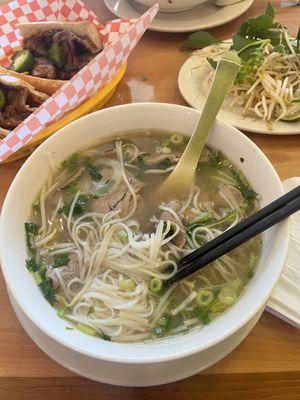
218, 247
245, 224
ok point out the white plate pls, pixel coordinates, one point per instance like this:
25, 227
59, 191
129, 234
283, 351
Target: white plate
204, 16
194, 92
285, 299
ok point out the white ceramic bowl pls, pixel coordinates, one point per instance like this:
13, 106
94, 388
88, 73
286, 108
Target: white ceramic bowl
136, 364
172, 6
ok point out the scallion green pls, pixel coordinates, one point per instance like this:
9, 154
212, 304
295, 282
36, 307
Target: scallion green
177, 139
227, 296
156, 285
204, 297
86, 329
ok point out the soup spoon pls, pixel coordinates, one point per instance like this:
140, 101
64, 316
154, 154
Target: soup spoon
180, 181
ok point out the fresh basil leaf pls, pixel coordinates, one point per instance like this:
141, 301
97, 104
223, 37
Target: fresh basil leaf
198, 40
275, 37
280, 48
254, 26
251, 50
239, 42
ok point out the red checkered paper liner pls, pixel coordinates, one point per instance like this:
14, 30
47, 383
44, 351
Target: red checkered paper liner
119, 37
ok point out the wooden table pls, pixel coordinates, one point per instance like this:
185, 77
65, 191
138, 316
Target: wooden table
265, 366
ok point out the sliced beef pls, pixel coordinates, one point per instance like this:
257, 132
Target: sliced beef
44, 68
110, 152
119, 198
73, 178
179, 240
65, 39
21, 99
16, 109
155, 159
232, 193
84, 59
67, 73
107, 173
77, 52
36, 46
16, 100
9, 123
205, 155
35, 99
84, 45
67, 272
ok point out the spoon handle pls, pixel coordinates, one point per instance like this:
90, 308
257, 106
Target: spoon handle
225, 74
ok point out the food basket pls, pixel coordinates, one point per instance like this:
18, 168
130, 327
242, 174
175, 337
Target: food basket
94, 103
86, 91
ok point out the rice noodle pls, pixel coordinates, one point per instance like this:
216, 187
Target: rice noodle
269, 88
95, 296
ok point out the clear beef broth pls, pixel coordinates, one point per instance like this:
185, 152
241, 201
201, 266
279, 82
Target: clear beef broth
103, 264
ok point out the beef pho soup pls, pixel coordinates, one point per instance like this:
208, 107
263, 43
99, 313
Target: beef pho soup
102, 264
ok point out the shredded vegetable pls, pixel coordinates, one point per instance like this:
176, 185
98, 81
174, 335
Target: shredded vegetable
268, 84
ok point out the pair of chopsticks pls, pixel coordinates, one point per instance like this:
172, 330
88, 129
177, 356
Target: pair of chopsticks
258, 222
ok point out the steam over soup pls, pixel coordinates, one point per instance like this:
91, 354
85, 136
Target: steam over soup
102, 263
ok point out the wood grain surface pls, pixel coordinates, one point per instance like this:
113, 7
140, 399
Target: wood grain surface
265, 366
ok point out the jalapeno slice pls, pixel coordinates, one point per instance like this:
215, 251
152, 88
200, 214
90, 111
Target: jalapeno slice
23, 61
2, 100
56, 56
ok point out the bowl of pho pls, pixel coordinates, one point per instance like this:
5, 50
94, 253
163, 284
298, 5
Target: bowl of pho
86, 254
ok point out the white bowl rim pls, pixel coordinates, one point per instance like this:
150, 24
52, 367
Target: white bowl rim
285, 236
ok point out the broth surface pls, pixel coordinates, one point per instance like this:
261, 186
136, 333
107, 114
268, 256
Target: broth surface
102, 262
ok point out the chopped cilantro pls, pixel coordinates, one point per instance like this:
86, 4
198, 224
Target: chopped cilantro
71, 162
215, 159
94, 172
31, 230
31, 265
80, 205
243, 186
61, 261
70, 189
47, 289
64, 209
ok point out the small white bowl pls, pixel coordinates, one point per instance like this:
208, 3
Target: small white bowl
172, 6
141, 364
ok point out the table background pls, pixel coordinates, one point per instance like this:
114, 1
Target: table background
265, 366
